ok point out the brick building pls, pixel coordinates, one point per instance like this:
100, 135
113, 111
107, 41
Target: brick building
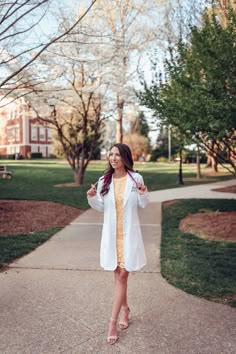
20, 131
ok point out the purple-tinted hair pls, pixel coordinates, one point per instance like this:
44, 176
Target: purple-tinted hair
127, 159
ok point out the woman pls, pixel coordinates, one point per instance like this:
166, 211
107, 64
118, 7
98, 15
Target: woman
120, 191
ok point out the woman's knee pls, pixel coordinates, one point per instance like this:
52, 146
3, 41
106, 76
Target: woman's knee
122, 275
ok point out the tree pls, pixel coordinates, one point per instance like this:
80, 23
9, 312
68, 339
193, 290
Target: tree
199, 97
128, 28
162, 144
72, 82
220, 8
181, 16
137, 133
139, 125
138, 145
77, 120
19, 53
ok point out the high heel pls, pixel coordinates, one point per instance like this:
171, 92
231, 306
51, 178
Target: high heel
124, 324
112, 339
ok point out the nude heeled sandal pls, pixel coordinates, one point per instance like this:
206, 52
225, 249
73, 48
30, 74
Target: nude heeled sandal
124, 324
112, 339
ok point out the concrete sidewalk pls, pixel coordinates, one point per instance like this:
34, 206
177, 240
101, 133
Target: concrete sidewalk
58, 300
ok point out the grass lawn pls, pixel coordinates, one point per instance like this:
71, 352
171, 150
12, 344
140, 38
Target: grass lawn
200, 267
36, 180
14, 246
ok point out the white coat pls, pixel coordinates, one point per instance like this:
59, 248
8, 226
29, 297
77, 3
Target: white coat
133, 247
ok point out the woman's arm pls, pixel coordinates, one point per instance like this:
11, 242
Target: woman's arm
142, 193
95, 199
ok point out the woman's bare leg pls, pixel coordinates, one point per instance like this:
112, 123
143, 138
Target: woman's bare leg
124, 305
120, 293
120, 297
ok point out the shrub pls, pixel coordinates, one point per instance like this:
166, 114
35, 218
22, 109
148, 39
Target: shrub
36, 155
162, 159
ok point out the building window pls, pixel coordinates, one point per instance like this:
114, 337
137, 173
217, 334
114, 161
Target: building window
49, 134
34, 133
17, 134
43, 150
34, 148
13, 112
13, 134
42, 134
10, 114
16, 112
12, 149
9, 135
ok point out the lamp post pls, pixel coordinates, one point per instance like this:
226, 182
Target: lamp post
169, 143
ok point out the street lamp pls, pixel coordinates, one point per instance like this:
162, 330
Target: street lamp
169, 142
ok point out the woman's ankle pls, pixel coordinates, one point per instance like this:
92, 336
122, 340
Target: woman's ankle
113, 320
125, 307
112, 326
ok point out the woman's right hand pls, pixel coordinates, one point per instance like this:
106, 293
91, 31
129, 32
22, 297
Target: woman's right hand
92, 191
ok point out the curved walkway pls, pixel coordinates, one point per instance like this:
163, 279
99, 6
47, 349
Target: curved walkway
57, 299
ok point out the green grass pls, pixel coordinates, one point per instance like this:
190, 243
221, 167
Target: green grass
200, 267
14, 246
36, 180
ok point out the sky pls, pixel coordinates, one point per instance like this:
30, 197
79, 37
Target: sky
48, 25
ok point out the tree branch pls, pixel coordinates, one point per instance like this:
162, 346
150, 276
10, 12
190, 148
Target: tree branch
46, 46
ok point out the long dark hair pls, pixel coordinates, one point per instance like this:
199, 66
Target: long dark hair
126, 156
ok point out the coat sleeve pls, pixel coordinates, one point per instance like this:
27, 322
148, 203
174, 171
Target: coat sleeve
97, 202
142, 199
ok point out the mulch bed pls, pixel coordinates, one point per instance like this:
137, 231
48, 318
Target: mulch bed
211, 225
203, 179
26, 216
230, 189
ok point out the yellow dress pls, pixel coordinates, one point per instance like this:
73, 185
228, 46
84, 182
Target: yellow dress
119, 188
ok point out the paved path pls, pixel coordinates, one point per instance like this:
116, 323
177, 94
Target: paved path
57, 300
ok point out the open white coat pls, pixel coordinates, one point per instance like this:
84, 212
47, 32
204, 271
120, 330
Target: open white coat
134, 252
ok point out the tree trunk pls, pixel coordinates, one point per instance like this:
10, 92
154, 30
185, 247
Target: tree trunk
212, 163
199, 175
208, 163
79, 175
119, 124
121, 92
180, 175
215, 164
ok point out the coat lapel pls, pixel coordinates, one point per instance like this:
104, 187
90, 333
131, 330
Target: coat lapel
128, 188
112, 191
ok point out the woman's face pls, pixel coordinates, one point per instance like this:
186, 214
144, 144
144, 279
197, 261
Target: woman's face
115, 158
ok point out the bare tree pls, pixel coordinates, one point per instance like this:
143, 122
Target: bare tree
128, 28
135, 27
70, 81
181, 16
76, 118
18, 53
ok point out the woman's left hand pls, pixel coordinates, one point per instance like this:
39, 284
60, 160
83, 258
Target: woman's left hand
141, 188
